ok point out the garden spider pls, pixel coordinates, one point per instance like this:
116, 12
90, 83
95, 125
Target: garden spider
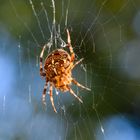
58, 71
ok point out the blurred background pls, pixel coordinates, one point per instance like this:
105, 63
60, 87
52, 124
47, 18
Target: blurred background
106, 33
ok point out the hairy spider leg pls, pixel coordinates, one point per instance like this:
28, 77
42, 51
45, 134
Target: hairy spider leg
73, 65
44, 94
79, 61
72, 92
51, 97
79, 85
42, 73
70, 46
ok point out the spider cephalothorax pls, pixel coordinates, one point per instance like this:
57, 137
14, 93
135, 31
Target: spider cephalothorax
57, 70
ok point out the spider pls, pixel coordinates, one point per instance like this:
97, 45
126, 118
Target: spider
58, 71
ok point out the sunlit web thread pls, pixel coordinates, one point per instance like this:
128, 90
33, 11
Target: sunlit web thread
19, 58
110, 61
29, 59
24, 23
90, 74
56, 91
119, 25
61, 41
63, 109
54, 24
62, 13
93, 43
46, 15
94, 21
37, 60
36, 16
101, 126
75, 131
78, 129
85, 126
66, 130
86, 75
67, 12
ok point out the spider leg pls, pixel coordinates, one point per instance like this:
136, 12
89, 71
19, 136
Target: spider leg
51, 98
72, 92
77, 63
44, 94
42, 73
79, 85
70, 46
73, 65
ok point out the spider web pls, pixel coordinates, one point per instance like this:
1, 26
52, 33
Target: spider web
106, 34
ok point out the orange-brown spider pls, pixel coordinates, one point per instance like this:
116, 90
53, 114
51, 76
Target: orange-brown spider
58, 71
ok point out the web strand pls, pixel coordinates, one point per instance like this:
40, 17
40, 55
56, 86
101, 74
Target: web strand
37, 19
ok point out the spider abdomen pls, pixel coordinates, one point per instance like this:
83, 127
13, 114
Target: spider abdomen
56, 63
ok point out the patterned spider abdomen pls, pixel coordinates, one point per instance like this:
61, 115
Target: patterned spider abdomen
56, 63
